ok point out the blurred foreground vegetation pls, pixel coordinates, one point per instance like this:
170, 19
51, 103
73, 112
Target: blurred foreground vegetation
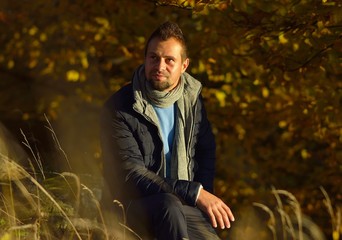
272, 76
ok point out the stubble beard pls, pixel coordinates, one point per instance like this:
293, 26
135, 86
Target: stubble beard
159, 85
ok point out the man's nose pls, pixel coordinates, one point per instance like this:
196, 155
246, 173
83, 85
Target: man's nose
161, 65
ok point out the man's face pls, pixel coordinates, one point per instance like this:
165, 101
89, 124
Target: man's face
164, 64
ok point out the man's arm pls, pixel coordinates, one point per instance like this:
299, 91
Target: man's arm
119, 136
218, 212
205, 151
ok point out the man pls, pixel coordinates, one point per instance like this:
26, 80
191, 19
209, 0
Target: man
156, 130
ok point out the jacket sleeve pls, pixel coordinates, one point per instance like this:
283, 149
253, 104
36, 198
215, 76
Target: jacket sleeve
134, 172
205, 152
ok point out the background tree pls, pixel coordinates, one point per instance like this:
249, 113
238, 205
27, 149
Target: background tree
271, 72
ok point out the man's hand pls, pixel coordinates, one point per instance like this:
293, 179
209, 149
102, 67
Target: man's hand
218, 212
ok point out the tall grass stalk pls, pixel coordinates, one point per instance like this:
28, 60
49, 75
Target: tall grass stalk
23, 172
77, 194
296, 208
123, 215
287, 225
15, 176
55, 139
99, 210
35, 154
34, 227
280, 209
272, 222
11, 218
131, 230
7, 173
336, 223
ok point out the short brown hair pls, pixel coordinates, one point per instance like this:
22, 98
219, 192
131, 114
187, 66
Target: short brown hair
166, 31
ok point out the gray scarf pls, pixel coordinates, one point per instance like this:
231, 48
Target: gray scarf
159, 98
184, 120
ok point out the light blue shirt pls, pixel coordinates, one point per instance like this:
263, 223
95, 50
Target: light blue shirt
166, 117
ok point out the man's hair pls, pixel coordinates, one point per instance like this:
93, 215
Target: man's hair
166, 31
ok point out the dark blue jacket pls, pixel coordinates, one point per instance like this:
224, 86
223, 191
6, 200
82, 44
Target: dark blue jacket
132, 152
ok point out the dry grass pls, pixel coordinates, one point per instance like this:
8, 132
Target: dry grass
335, 216
286, 220
38, 205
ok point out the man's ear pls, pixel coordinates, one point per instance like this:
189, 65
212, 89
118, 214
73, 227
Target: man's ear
185, 64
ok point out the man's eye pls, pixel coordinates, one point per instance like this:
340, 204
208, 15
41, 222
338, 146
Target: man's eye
170, 60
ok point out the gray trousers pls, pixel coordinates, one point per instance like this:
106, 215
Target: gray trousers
164, 217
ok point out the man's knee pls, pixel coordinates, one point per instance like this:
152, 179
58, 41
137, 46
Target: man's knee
169, 208
170, 200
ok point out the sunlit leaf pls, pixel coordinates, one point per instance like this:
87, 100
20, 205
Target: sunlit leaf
221, 97
282, 124
33, 30
43, 37
102, 21
33, 63
305, 154
283, 39
295, 46
265, 92
98, 37
72, 75
336, 235
10, 64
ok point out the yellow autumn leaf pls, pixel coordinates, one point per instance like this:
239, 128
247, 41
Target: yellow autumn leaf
295, 47
243, 105
84, 59
33, 63
320, 24
241, 131
336, 235
282, 39
10, 64
49, 68
227, 89
221, 97
256, 82
72, 75
98, 37
212, 60
42, 37
126, 52
102, 21
229, 77
141, 39
33, 30
84, 62
265, 92
201, 67
282, 124
308, 42
305, 154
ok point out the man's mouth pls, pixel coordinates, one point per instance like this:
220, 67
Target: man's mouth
158, 76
